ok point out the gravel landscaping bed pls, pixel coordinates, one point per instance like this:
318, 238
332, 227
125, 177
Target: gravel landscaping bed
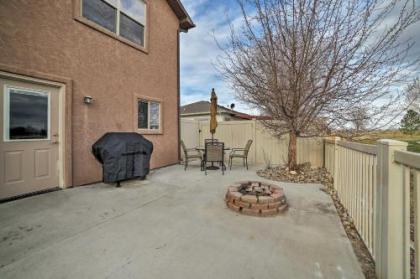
306, 174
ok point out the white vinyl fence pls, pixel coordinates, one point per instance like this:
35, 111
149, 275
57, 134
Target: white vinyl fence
265, 149
353, 167
379, 186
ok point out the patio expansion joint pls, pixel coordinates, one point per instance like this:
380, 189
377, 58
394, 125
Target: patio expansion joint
33, 252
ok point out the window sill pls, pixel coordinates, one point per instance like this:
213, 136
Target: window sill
149, 132
110, 34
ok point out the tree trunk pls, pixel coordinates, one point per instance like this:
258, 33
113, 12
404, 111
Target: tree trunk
292, 161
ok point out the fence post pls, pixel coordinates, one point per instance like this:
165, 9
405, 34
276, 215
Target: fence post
389, 217
335, 164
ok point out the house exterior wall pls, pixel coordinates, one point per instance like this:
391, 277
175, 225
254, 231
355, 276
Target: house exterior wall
42, 39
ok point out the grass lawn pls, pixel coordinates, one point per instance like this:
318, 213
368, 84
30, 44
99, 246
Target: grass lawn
412, 140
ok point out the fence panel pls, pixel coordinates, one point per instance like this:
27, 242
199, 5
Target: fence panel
266, 148
232, 133
352, 166
410, 170
310, 150
190, 133
270, 150
329, 154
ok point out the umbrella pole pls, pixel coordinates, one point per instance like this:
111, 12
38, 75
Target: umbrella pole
212, 141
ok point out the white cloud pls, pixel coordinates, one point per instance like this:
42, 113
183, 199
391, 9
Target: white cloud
199, 52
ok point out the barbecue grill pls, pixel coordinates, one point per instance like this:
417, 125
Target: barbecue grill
123, 156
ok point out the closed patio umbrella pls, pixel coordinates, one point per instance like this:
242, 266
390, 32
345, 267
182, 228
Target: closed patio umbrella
213, 120
213, 113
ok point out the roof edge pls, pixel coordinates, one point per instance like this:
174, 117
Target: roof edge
185, 21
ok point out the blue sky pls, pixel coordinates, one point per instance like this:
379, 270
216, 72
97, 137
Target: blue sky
199, 51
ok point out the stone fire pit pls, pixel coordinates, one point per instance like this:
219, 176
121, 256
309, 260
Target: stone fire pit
256, 198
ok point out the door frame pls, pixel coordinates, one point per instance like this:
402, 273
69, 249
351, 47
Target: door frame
62, 125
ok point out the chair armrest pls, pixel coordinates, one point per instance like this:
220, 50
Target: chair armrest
237, 150
194, 150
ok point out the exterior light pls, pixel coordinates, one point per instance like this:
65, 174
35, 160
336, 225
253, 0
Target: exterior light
88, 100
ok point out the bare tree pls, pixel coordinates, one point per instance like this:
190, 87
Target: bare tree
359, 119
308, 63
412, 95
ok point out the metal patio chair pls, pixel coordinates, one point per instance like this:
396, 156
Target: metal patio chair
214, 153
240, 153
191, 154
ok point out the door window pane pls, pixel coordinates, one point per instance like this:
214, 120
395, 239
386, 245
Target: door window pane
101, 13
143, 115
131, 30
28, 115
154, 116
134, 9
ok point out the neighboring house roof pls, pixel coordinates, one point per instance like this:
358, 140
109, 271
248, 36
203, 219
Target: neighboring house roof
185, 21
203, 107
256, 117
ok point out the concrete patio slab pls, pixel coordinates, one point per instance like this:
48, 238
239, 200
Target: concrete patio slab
173, 225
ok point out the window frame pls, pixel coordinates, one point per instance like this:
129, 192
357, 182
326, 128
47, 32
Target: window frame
148, 130
6, 113
78, 16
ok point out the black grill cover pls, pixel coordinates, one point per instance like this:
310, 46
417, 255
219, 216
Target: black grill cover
123, 156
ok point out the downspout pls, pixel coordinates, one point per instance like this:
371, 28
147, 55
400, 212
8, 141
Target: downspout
179, 88
179, 96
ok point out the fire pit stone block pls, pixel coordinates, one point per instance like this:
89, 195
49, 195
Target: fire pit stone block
249, 198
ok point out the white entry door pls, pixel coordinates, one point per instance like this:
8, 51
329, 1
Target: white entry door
29, 150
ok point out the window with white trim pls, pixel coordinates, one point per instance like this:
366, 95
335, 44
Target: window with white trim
26, 114
126, 18
149, 115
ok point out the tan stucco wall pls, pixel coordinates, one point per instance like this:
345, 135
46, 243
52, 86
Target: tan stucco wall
43, 38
